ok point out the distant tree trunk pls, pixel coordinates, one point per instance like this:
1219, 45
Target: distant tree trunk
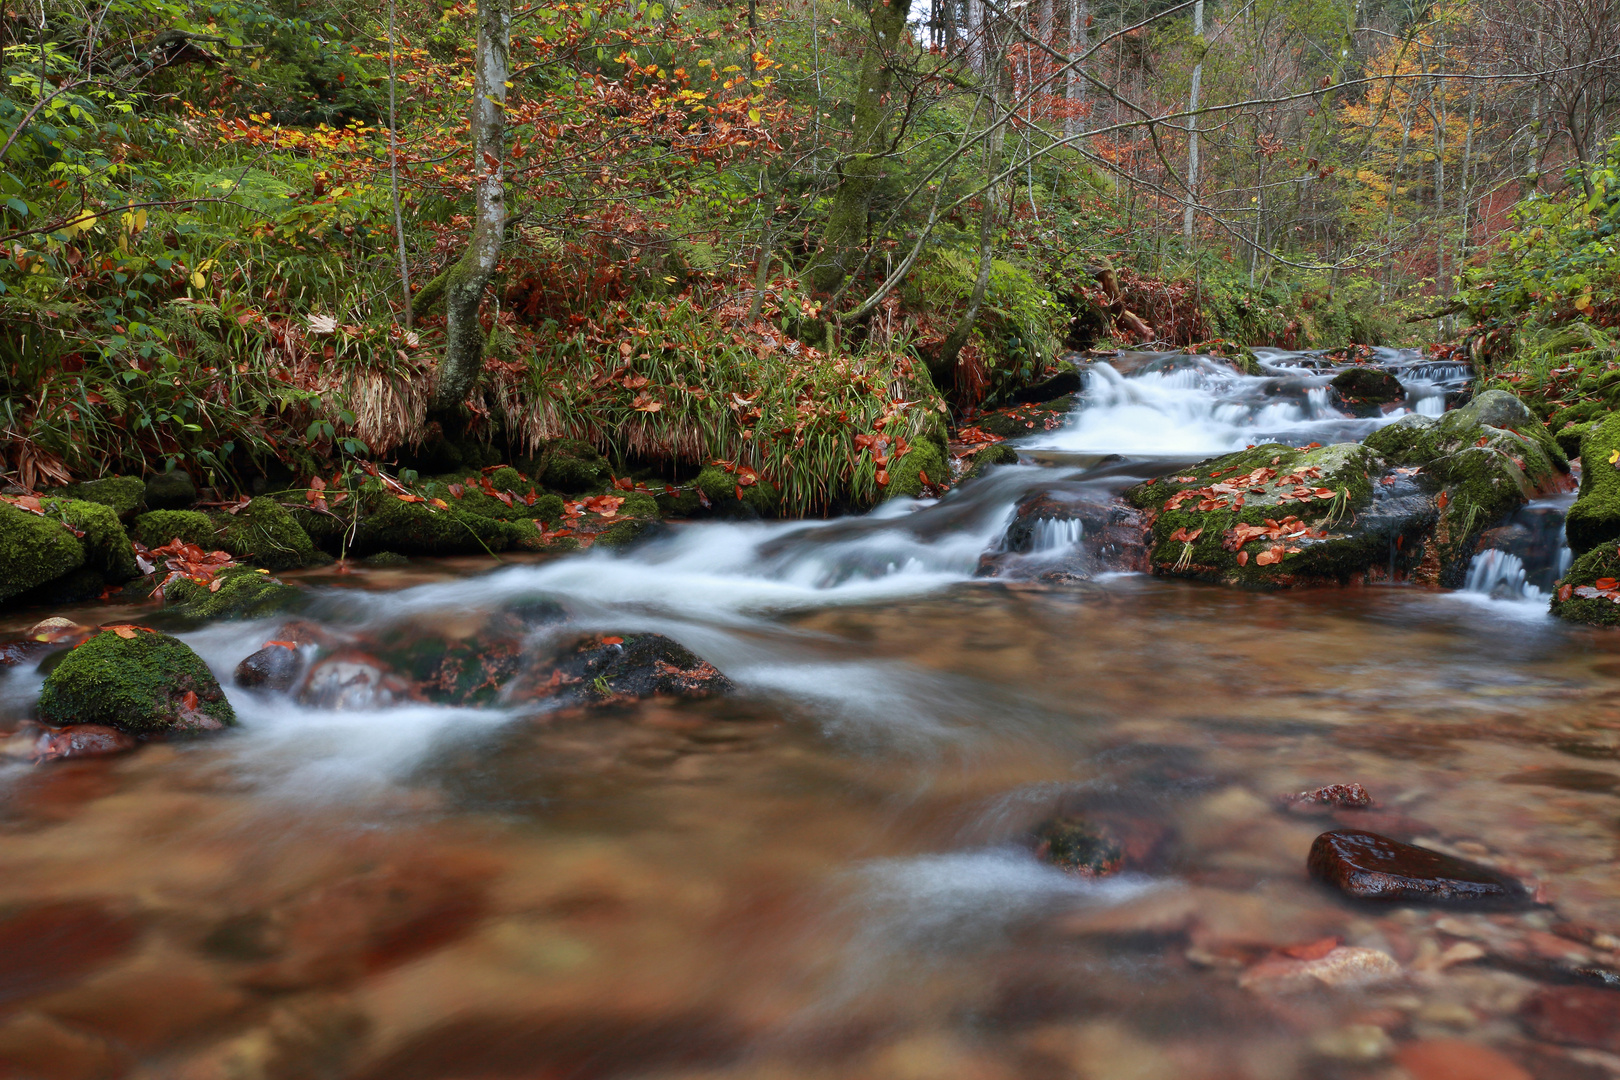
1079, 42
862, 168
467, 279
1192, 122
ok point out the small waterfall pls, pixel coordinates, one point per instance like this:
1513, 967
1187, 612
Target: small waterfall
1501, 576
1055, 534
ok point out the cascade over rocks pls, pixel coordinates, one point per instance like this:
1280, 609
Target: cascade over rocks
1409, 503
1070, 533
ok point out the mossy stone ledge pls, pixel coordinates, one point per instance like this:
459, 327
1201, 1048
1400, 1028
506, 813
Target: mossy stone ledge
1595, 518
145, 683
265, 534
243, 593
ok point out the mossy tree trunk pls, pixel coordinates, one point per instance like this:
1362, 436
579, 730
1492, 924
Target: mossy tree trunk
465, 282
862, 168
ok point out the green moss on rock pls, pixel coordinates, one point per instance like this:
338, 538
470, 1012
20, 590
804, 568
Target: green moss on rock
140, 684
157, 527
1336, 557
923, 457
1595, 517
761, 499
107, 549
989, 457
1600, 562
423, 529
242, 594
573, 466
34, 550
126, 495
1569, 438
171, 490
265, 534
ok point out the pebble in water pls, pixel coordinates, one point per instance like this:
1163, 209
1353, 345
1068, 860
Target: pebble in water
1368, 866
1577, 1016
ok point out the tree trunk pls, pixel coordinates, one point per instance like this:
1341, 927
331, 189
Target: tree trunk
1192, 123
1079, 42
466, 281
862, 168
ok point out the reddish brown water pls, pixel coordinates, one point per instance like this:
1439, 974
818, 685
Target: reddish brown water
829, 882
830, 874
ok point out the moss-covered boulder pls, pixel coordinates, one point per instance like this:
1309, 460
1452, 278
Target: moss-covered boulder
107, 549
264, 533
241, 593
1570, 435
1271, 517
1595, 517
422, 528
729, 497
1027, 419
158, 527
571, 466
126, 495
136, 680
922, 466
33, 551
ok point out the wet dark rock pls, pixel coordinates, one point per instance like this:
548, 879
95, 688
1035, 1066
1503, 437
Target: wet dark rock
172, 490
1078, 846
1365, 390
354, 681
81, 741
1335, 796
1075, 532
1576, 1016
1062, 384
145, 682
596, 669
1367, 866
274, 668
467, 671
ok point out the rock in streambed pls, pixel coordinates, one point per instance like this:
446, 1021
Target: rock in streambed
138, 681
1367, 866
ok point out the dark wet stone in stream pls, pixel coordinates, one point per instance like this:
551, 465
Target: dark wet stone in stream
1367, 866
1059, 385
351, 681
1365, 389
275, 667
82, 741
1071, 532
1078, 846
1576, 1016
597, 669
137, 680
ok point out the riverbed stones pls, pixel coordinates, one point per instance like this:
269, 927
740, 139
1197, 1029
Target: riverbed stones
353, 681
273, 669
1367, 866
138, 681
1365, 390
1576, 1016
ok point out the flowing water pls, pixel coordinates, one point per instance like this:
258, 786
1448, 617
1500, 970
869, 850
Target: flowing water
829, 874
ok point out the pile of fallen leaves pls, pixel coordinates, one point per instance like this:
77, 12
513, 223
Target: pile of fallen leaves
1280, 532
183, 560
1229, 494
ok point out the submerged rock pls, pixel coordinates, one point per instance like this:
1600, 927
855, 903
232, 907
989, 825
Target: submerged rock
353, 681
1341, 796
276, 668
136, 680
1072, 533
1367, 866
596, 669
82, 741
1576, 1016
1078, 846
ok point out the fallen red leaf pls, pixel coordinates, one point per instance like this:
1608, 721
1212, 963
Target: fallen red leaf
613, 641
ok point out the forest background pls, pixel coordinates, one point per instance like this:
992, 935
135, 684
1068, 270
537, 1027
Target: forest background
772, 249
